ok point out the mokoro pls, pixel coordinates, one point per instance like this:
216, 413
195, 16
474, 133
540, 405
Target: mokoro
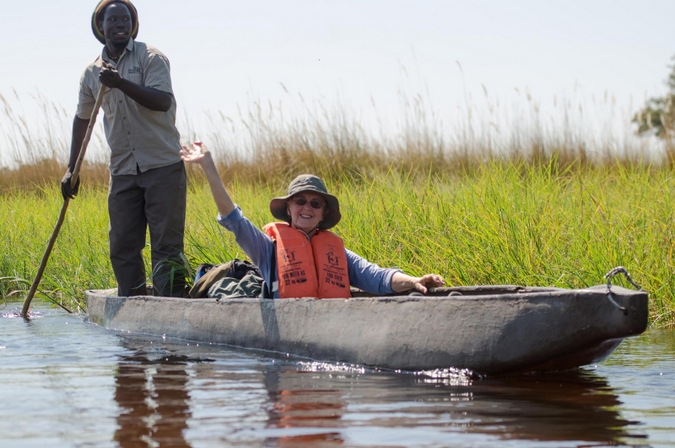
487, 329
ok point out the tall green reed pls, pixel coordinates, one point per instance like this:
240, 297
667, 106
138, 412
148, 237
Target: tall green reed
493, 199
507, 224
79, 259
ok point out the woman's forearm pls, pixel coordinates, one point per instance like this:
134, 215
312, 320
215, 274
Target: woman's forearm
222, 198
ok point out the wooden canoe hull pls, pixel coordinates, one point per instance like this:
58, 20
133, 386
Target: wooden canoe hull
489, 330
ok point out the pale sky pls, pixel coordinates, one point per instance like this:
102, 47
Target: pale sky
229, 54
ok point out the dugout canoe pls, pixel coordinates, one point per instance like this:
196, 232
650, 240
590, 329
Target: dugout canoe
486, 329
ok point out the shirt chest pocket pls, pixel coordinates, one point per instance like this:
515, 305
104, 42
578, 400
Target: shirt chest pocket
135, 75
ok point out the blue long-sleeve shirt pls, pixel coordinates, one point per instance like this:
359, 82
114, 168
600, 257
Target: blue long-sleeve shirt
260, 248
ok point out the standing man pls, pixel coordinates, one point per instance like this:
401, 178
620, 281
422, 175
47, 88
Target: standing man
147, 175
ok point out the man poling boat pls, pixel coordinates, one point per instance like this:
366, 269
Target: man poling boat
148, 186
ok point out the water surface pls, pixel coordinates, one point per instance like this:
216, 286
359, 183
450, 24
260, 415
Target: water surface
65, 382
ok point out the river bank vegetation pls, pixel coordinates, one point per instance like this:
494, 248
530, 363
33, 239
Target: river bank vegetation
496, 222
537, 205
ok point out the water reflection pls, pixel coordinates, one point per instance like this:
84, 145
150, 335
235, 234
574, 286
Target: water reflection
308, 410
554, 409
577, 405
267, 402
151, 391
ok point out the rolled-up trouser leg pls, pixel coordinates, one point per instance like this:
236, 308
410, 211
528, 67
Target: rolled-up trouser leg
126, 208
165, 195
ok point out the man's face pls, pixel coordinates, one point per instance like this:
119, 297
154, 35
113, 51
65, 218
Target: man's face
116, 25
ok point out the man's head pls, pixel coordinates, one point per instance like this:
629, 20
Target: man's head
115, 21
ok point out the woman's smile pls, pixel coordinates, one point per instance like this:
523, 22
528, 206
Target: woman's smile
306, 210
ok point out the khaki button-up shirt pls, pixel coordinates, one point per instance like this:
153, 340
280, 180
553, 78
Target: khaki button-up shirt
139, 138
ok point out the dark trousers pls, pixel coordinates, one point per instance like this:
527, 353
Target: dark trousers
153, 200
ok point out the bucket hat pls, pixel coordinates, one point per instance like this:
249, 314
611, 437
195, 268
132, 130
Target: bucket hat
98, 32
307, 182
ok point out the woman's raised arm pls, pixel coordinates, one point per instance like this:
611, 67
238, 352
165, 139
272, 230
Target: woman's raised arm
199, 153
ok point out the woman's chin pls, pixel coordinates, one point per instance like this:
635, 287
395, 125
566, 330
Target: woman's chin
306, 227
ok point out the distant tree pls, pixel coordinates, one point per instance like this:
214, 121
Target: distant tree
658, 115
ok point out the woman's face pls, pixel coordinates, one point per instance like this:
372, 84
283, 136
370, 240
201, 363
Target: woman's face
306, 210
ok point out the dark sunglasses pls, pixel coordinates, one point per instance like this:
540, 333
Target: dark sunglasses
314, 203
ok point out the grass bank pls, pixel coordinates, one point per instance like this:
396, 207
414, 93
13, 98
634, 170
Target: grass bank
486, 194
499, 222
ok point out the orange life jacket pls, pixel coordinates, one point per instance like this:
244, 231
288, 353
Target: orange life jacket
316, 268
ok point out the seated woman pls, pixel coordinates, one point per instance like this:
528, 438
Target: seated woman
300, 257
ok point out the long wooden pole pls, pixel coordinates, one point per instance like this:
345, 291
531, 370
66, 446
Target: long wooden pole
66, 200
